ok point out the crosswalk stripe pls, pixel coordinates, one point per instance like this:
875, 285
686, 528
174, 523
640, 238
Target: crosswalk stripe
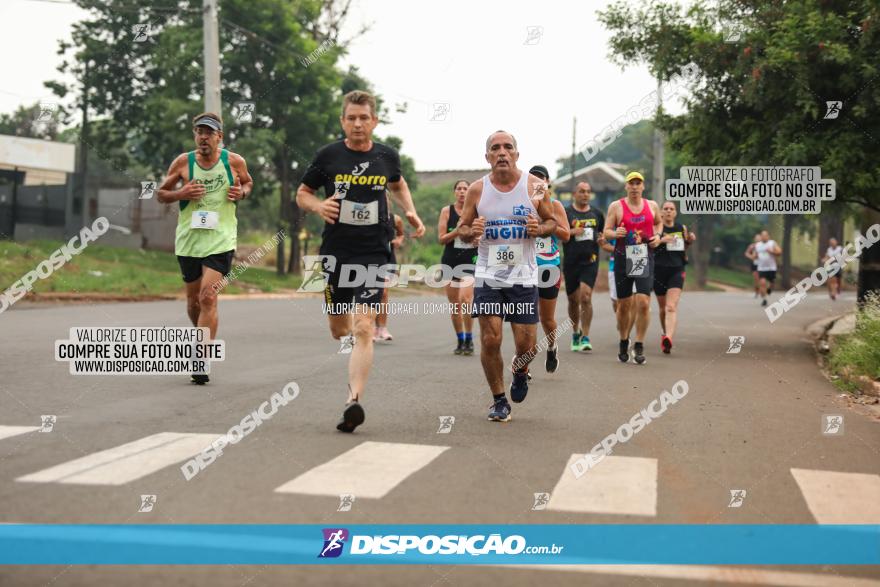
126, 462
830, 496
616, 485
371, 469
10, 431
711, 574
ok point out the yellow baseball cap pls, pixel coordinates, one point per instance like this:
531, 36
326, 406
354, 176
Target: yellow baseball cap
633, 175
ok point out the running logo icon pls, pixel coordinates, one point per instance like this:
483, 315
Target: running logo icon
832, 425
341, 189
142, 32
148, 188
441, 110
345, 503
47, 112
317, 270
334, 542
533, 35
346, 345
736, 344
446, 423
541, 501
833, 109
737, 496
244, 111
147, 503
48, 423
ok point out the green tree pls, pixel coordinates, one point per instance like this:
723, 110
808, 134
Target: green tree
762, 99
25, 122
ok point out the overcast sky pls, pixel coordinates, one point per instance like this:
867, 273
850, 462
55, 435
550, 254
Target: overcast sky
479, 58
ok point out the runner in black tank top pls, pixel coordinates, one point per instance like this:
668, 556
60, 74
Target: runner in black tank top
460, 258
669, 270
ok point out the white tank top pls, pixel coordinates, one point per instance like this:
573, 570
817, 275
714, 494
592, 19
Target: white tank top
506, 253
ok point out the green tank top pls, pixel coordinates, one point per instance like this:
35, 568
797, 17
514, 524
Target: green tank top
195, 236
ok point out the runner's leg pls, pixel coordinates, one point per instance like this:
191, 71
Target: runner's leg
362, 354
642, 310
211, 285
490, 353
670, 310
192, 300
661, 306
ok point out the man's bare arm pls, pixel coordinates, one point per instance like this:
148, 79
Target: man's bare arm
167, 193
401, 195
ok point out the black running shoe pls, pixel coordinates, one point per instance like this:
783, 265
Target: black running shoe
500, 410
623, 353
552, 362
519, 387
468, 347
764, 302
639, 353
200, 378
460, 348
352, 417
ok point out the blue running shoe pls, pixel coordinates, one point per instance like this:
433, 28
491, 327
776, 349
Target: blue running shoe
519, 387
500, 410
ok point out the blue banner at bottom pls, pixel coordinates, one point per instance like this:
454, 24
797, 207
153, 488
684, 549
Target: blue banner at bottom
207, 544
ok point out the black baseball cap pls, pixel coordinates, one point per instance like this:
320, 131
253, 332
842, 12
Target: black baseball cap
540, 171
209, 122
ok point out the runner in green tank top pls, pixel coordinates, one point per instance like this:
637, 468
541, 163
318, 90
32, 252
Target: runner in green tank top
214, 180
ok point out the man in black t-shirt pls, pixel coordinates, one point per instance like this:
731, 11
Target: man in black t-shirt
580, 263
355, 173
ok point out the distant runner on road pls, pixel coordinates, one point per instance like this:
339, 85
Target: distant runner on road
458, 254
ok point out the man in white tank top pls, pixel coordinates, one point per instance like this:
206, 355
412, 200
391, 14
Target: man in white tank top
508, 208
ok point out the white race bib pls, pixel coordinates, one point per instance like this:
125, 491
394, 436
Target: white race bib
637, 260
460, 244
677, 243
586, 236
359, 213
505, 254
207, 219
543, 244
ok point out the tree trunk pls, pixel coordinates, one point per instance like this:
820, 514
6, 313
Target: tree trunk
787, 223
869, 261
704, 228
295, 267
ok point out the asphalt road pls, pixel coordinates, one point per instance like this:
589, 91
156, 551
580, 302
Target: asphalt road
751, 421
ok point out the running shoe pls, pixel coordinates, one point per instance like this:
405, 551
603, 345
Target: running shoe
199, 378
585, 344
552, 362
468, 347
666, 344
352, 417
519, 387
764, 302
382, 335
500, 410
576, 342
623, 353
639, 353
460, 348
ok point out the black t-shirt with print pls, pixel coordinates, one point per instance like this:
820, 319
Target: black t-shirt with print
582, 252
361, 178
666, 258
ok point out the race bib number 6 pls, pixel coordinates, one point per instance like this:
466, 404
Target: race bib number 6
505, 254
359, 213
207, 219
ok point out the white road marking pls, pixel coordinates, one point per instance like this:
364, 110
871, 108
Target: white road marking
126, 462
10, 431
840, 498
617, 485
741, 575
371, 469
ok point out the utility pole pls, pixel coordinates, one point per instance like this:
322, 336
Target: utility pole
658, 192
212, 57
574, 122
88, 208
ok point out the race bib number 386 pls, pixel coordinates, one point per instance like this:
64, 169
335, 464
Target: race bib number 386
505, 254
